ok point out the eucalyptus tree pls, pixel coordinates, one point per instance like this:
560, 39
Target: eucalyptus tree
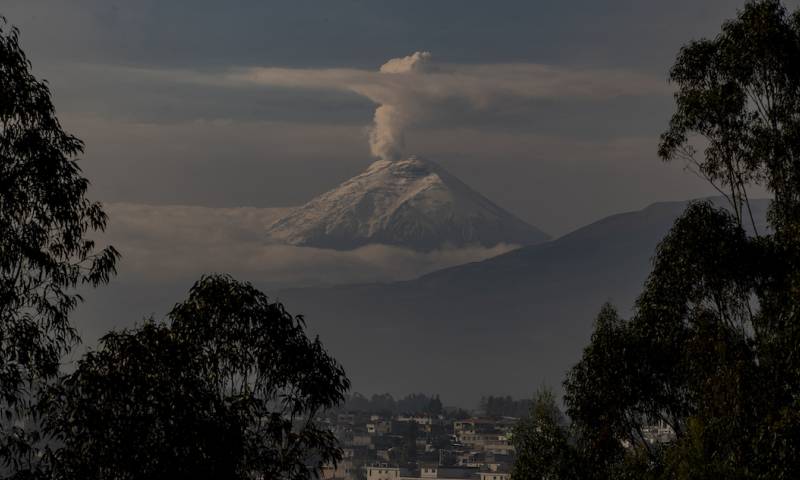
230, 387
544, 445
712, 349
46, 250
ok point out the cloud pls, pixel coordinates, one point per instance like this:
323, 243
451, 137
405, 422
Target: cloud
414, 89
410, 89
478, 82
166, 248
179, 243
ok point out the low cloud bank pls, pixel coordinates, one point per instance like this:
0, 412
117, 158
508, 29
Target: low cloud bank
164, 244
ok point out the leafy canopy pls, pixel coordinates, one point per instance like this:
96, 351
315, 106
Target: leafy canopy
712, 350
45, 247
230, 387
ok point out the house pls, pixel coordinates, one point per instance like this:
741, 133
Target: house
382, 471
379, 427
494, 476
498, 443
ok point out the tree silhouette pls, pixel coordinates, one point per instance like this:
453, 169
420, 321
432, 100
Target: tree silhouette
712, 349
45, 251
543, 443
230, 387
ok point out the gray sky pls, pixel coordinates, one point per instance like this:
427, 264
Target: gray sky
147, 85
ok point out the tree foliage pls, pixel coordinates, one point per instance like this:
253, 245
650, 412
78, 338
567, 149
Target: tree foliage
545, 449
740, 93
385, 404
45, 247
712, 350
230, 387
505, 406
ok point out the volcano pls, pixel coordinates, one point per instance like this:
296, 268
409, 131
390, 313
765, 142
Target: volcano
412, 203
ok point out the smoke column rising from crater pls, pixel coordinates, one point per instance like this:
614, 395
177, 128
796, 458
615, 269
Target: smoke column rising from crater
387, 135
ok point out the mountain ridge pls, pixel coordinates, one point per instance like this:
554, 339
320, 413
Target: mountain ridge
521, 318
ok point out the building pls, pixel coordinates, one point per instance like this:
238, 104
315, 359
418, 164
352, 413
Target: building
346, 419
494, 476
383, 471
429, 448
379, 427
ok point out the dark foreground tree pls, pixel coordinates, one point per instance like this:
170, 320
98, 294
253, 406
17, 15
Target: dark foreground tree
545, 447
712, 351
45, 249
230, 387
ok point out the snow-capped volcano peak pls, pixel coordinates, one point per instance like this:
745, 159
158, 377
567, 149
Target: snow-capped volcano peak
411, 202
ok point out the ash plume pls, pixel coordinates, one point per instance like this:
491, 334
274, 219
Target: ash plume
387, 135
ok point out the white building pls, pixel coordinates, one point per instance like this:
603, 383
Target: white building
382, 471
497, 443
494, 476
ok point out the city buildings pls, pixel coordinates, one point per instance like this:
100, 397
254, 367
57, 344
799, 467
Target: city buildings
413, 447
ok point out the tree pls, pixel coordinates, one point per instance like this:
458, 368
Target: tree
542, 441
45, 250
139, 407
712, 349
599, 396
383, 403
357, 402
435, 406
504, 406
230, 387
740, 92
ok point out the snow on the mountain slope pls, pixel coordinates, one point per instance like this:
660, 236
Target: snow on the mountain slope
412, 203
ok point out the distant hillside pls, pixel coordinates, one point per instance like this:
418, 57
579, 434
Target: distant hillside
501, 326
